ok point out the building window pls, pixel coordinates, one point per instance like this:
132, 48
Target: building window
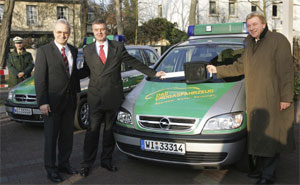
1, 12
253, 8
275, 10
91, 16
160, 10
62, 13
232, 7
212, 7
31, 13
254, 5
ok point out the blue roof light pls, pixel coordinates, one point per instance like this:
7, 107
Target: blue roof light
191, 30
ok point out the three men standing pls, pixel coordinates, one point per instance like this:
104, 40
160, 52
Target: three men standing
56, 84
19, 63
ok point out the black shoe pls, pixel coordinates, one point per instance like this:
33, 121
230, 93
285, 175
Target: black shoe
264, 181
68, 169
84, 172
109, 167
254, 175
55, 177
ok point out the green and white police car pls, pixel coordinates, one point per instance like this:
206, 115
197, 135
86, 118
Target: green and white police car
21, 105
197, 123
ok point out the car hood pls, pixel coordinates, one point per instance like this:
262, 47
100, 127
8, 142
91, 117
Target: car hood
25, 87
201, 101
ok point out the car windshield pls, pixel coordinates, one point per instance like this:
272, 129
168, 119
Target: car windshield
212, 53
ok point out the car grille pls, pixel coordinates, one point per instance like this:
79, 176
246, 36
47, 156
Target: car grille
25, 97
189, 157
166, 123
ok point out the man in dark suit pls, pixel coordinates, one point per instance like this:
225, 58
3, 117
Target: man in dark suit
105, 92
56, 84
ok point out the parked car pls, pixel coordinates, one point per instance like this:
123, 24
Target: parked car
192, 117
21, 104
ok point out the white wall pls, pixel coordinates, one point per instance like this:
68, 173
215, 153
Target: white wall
178, 11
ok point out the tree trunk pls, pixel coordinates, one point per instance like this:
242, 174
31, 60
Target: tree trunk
136, 22
5, 30
119, 18
85, 9
193, 8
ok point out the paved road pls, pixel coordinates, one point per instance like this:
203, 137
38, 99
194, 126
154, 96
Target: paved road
22, 163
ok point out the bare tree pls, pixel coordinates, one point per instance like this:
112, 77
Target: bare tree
193, 9
85, 9
5, 29
120, 26
136, 23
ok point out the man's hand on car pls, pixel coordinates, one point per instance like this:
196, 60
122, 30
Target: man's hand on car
160, 74
211, 69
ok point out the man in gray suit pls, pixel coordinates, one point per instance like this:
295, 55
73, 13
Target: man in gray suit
56, 84
105, 92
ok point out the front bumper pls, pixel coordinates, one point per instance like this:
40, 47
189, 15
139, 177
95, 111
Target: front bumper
35, 116
207, 151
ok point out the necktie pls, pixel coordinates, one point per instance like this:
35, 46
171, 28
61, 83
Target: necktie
65, 58
102, 54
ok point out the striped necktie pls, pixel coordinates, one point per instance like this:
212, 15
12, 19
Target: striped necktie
65, 58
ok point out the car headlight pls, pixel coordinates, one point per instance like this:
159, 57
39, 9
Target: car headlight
124, 117
224, 122
10, 95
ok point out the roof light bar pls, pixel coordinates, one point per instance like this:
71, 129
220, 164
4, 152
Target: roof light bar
221, 28
89, 40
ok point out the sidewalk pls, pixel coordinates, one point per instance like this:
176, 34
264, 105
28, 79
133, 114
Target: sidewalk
3, 97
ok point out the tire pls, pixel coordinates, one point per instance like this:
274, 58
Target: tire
81, 120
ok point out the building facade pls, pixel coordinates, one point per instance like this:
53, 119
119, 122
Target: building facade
34, 19
218, 11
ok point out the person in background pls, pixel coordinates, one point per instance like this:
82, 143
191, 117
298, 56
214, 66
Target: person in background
57, 84
103, 60
19, 63
267, 64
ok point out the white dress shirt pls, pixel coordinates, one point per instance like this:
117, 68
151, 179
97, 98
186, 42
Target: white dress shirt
68, 54
105, 47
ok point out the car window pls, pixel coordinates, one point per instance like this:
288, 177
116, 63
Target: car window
216, 54
151, 57
136, 53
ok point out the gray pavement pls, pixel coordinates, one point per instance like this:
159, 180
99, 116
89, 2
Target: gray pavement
22, 163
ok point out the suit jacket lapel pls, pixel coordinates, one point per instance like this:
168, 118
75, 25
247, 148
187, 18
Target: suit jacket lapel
74, 58
110, 58
96, 61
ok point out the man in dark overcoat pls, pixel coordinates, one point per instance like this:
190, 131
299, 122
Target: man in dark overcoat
103, 60
57, 85
267, 64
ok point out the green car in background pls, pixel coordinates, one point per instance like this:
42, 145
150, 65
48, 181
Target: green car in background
192, 117
21, 105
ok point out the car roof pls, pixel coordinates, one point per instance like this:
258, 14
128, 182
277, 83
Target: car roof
215, 39
142, 47
138, 47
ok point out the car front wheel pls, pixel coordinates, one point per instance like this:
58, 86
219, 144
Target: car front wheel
82, 114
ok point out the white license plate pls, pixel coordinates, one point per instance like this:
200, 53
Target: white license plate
22, 111
161, 146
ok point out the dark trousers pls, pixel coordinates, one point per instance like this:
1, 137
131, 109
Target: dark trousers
58, 129
267, 166
91, 141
